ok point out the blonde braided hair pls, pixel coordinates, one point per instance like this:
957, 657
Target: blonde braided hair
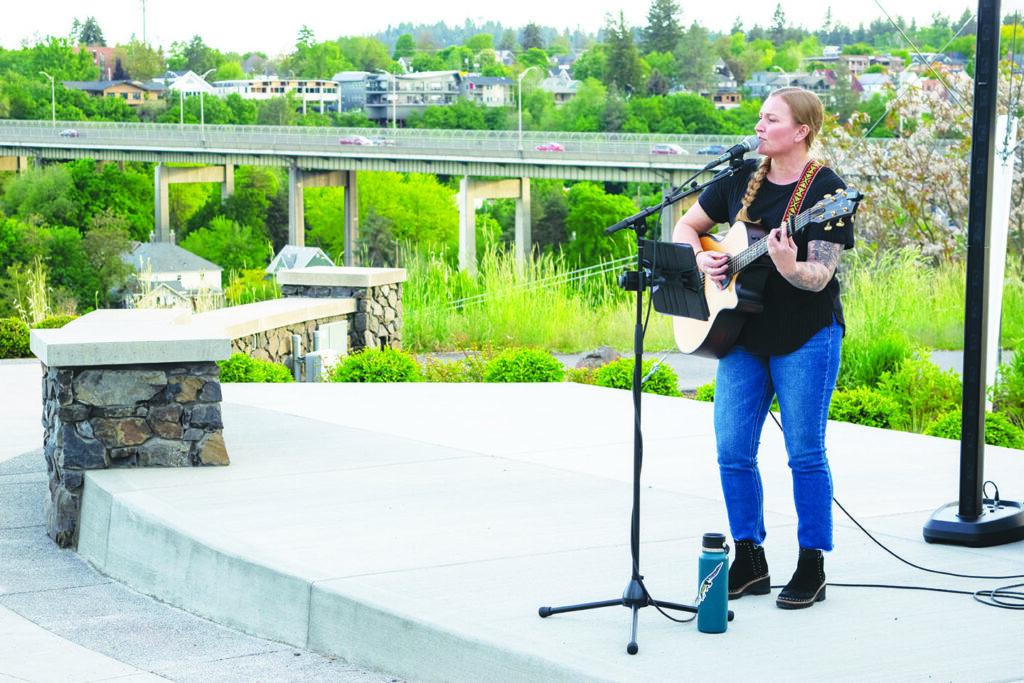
753, 185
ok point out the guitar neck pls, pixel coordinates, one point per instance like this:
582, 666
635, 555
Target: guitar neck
739, 261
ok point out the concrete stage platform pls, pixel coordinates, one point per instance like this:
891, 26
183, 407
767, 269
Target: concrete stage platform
415, 529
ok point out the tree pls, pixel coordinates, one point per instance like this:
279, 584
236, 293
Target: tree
405, 46
533, 57
778, 29
88, 33
844, 98
480, 42
663, 30
657, 84
365, 54
508, 40
142, 61
229, 244
531, 37
917, 182
625, 70
195, 56
590, 211
592, 64
696, 60
103, 246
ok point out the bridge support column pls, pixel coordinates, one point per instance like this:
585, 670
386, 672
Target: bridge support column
471, 190
299, 179
163, 176
161, 217
227, 186
673, 213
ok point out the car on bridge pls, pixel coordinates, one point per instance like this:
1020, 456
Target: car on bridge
667, 148
356, 140
550, 147
69, 133
381, 141
713, 149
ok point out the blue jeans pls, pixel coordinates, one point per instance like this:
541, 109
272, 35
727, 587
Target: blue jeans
745, 385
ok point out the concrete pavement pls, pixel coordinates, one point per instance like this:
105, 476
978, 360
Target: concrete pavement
415, 529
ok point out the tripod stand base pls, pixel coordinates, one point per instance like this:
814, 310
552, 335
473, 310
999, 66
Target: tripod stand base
634, 597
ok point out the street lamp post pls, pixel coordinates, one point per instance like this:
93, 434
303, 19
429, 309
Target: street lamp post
53, 99
202, 114
519, 97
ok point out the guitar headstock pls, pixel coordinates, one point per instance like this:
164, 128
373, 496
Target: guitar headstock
832, 206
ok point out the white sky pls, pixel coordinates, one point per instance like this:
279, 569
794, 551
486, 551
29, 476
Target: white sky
271, 27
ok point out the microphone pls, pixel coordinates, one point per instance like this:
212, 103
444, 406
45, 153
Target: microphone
736, 151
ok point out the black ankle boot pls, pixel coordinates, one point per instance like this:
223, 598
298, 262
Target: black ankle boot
808, 583
748, 574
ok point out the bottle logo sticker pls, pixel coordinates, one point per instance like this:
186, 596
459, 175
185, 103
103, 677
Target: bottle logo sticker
709, 580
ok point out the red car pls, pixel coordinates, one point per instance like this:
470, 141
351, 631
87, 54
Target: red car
550, 147
356, 140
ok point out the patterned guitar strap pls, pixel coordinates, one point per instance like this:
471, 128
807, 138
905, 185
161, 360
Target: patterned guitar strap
804, 184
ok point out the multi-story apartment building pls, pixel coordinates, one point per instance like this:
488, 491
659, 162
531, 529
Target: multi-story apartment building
322, 94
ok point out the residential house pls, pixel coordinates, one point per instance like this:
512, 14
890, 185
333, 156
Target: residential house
761, 83
171, 277
186, 83
562, 87
292, 256
873, 84
490, 91
132, 92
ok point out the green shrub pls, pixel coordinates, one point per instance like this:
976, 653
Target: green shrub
377, 365
52, 322
922, 390
865, 359
1008, 393
582, 376
524, 365
470, 368
863, 406
13, 339
706, 392
999, 431
619, 375
242, 368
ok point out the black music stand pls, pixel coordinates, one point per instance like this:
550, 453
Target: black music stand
670, 270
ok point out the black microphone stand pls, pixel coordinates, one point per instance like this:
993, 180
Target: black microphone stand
690, 303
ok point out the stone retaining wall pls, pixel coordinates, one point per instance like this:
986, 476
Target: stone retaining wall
275, 345
377, 321
150, 415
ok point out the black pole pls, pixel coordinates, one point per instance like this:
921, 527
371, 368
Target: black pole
978, 521
979, 219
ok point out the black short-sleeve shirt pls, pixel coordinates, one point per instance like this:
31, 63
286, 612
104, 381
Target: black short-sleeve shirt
791, 315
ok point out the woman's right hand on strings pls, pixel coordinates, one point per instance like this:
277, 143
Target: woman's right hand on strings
714, 264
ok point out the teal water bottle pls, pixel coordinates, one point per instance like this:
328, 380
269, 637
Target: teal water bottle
713, 584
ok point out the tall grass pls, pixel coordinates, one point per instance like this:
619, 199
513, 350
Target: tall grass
900, 293
542, 303
890, 295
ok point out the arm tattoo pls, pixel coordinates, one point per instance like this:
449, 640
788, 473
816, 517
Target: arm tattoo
822, 259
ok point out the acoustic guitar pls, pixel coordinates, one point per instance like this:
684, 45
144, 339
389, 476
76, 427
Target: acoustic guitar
746, 244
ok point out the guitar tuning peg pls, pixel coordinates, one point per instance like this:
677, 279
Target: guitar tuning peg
841, 223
